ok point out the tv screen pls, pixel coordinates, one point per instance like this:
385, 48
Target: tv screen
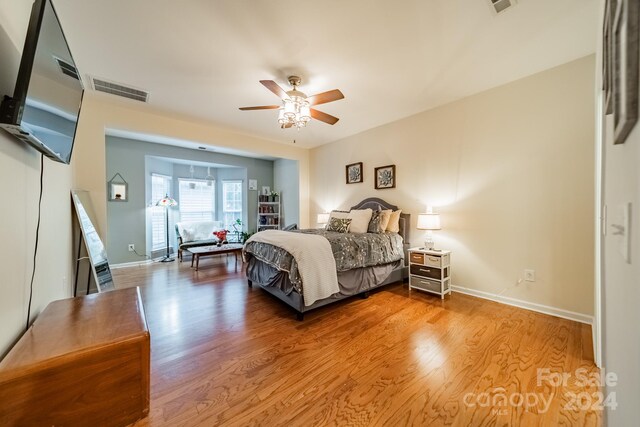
46, 102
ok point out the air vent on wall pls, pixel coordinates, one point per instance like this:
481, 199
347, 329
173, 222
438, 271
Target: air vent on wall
501, 5
67, 69
119, 90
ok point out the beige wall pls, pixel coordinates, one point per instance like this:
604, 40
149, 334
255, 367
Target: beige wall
511, 170
20, 173
20, 176
100, 113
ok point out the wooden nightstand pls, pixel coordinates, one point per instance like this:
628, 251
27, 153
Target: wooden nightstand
430, 271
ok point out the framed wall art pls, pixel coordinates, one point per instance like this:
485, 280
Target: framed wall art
385, 177
621, 60
118, 189
354, 173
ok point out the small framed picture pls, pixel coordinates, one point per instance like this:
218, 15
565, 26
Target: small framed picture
354, 173
266, 191
118, 189
385, 177
253, 184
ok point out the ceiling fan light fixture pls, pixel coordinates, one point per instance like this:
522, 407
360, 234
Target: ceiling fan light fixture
281, 118
290, 108
305, 113
295, 110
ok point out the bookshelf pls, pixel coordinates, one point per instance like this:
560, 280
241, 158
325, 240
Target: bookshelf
268, 212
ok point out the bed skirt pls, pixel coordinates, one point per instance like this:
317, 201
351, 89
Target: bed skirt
351, 282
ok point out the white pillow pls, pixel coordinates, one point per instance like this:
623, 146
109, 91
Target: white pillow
201, 230
359, 220
204, 230
187, 235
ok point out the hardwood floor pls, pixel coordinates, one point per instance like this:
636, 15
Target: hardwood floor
226, 354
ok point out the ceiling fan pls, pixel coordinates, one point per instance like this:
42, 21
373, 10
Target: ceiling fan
296, 106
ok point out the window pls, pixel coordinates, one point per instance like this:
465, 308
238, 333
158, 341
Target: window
197, 200
231, 202
160, 186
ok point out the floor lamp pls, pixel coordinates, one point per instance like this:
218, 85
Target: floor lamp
166, 202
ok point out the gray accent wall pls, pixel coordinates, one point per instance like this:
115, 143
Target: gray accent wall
136, 160
286, 180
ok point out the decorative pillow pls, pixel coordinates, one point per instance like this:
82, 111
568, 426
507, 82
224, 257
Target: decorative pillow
197, 230
338, 214
374, 223
187, 235
385, 216
394, 222
340, 225
359, 220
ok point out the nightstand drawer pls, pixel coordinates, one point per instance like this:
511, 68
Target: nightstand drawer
416, 258
425, 284
437, 261
421, 270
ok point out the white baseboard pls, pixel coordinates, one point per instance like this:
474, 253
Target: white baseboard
130, 264
545, 309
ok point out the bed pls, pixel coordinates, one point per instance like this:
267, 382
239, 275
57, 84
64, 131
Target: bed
265, 270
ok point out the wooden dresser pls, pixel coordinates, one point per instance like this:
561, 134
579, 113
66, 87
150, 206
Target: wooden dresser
83, 362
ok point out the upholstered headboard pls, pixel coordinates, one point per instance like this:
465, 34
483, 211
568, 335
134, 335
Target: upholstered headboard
378, 204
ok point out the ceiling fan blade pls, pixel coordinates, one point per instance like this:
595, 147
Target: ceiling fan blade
324, 117
263, 107
324, 97
275, 88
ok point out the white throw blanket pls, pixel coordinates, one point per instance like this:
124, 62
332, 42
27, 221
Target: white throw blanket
315, 260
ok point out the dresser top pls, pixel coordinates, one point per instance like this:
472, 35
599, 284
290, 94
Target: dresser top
430, 251
79, 324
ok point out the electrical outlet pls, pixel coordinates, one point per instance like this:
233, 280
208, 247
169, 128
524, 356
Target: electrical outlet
530, 275
132, 247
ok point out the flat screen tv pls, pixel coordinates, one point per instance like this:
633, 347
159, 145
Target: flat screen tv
46, 101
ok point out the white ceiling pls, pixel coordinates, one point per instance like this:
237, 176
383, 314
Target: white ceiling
391, 59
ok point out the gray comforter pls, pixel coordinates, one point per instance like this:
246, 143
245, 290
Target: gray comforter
350, 251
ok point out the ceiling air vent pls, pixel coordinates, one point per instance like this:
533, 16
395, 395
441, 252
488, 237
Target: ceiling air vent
67, 69
119, 90
501, 5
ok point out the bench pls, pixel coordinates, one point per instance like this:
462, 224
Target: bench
194, 234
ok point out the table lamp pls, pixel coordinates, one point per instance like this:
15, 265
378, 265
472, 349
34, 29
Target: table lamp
323, 219
429, 221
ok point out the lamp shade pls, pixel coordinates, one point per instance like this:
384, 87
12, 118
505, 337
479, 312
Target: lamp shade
428, 221
323, 218
166, 201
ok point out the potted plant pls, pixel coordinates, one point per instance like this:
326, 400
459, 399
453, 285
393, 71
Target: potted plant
244, 236
237, 228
